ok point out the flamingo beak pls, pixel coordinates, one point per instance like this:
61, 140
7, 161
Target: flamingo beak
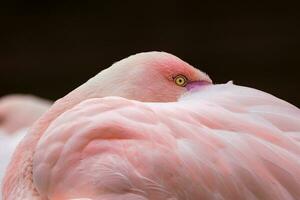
197, 84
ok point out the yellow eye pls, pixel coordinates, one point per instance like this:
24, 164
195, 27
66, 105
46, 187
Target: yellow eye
180, 80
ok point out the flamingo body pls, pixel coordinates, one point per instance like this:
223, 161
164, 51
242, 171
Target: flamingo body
221, 142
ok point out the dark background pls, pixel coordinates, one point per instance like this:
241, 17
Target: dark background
50, 48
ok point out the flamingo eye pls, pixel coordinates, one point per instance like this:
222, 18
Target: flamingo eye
180, 80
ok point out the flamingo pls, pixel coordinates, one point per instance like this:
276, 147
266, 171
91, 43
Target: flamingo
121, 139
17, 113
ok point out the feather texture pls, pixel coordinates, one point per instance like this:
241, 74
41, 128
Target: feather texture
220, 142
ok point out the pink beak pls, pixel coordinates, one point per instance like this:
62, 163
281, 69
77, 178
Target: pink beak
197, 84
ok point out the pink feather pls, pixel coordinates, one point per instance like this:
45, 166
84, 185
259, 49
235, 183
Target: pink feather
220, 142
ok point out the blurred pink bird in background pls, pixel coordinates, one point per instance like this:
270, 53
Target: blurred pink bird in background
216, 142
17, 113
20, 111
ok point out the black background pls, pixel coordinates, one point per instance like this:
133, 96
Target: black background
49, 48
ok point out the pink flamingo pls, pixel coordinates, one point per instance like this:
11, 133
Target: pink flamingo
216, 142
20, 111
17, 113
